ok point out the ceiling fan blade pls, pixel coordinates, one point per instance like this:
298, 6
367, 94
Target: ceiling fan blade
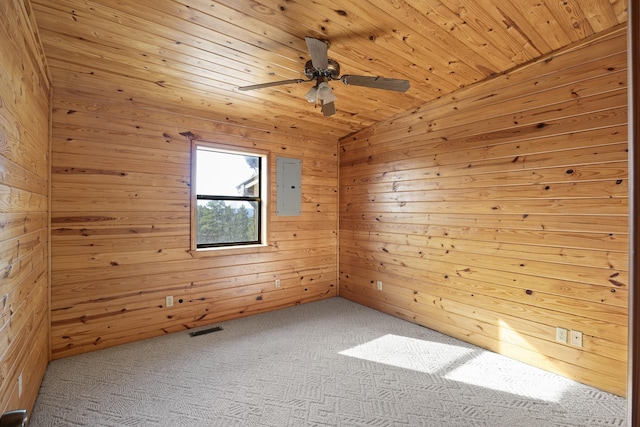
263, 85
318, 52
376, 82
329, 109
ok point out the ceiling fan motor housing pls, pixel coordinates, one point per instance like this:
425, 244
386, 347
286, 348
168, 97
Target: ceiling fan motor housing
332, 72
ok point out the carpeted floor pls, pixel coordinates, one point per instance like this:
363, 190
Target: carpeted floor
328, 363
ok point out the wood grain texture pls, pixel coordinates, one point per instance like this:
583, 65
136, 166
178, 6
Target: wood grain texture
633, 382
196, 53
501, 212
514, 168
24, 189
121, 206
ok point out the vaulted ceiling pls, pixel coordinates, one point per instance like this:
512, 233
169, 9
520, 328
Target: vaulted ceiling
193, 54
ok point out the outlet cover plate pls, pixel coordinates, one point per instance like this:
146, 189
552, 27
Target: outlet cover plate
576, 338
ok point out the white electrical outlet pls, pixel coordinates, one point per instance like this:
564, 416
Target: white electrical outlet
20, 385
576, 338
277, 283
561, 335
169, 301
379, 284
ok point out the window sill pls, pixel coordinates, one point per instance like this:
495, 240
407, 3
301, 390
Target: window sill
230, 250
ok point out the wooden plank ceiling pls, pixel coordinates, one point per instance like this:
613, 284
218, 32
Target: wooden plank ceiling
193, 54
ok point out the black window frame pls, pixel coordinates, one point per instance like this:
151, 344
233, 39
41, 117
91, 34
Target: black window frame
258, 199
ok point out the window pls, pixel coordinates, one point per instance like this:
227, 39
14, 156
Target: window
229, 188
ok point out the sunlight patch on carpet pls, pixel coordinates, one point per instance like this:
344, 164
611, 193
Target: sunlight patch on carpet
410, 353
461, 364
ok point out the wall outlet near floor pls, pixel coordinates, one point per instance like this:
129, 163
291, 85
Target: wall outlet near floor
169, 301
277, 283
576, 338
561, 335
379, 284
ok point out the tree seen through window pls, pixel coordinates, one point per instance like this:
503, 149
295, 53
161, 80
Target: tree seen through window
228, 192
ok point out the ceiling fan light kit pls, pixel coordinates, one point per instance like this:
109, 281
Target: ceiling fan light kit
312, 95
321, 92
322, 69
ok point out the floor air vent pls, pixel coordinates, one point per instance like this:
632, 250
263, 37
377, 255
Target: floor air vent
205, 331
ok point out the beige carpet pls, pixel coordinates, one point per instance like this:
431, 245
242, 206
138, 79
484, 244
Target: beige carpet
328, 363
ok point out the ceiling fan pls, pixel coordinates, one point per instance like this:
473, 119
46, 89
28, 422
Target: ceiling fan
322, 69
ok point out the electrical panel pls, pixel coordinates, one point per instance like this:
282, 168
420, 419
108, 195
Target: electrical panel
289, 186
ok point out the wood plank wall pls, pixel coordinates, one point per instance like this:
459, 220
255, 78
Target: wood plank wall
121, 219
25, 98
499, 212
633, 386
